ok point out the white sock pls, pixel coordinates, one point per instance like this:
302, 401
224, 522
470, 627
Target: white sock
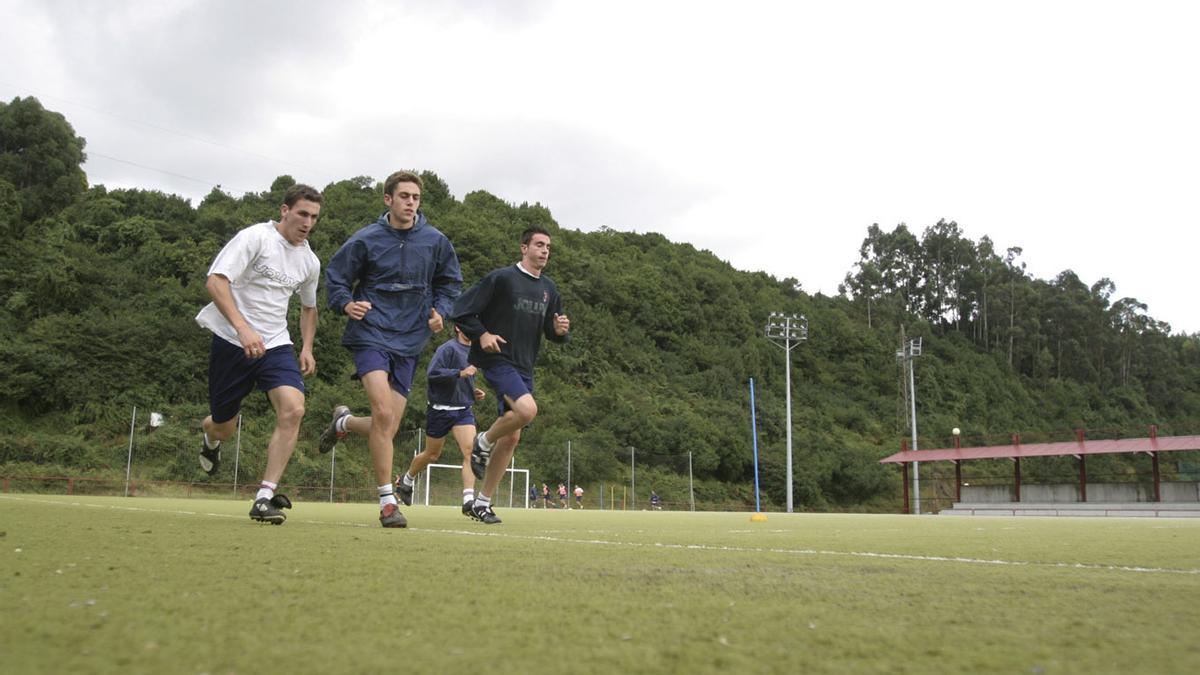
386, 496
266, 490
209, 444
483, 500
484, 442
340, 425
409, 480
468, 496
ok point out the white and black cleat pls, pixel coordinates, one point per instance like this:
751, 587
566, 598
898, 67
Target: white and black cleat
210, 459
270, 510
479, 457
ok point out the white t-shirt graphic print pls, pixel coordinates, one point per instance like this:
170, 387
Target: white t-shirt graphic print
264, 271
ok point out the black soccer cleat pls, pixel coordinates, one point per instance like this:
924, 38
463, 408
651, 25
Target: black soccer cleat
270, 510
330, 436
468, 511
479, 457
210, 460
404, 492
484, 513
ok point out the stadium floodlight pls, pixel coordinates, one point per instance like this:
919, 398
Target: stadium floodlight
787, 330
909, 351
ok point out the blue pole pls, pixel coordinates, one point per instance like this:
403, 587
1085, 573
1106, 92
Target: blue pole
754, 433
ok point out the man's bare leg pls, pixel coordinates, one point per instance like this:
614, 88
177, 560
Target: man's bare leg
464, 435
520, 413
406, 482
289, 410
387, 410
502, 454
288, 403
219, 432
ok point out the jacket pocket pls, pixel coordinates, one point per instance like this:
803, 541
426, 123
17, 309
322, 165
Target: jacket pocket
401, 307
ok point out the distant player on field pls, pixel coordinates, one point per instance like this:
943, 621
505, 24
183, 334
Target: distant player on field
451, 393
251, 282
578, 497
506, 315
395, 279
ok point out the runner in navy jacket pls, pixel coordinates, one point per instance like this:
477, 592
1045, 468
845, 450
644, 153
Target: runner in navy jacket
404, 275
395, 279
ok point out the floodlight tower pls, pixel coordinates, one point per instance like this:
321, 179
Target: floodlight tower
787, 330
909, 351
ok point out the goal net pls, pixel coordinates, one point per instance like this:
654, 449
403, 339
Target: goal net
443, 486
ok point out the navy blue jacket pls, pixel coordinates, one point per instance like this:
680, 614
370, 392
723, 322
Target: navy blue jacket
446, 386
403, 274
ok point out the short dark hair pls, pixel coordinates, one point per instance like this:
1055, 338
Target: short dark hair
389, 185
527, 235
301, 191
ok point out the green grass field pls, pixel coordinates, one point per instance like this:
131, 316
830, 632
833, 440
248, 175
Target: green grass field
140, 585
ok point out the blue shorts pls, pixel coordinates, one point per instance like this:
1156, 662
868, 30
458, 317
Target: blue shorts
508, 381
438, 423
400, 369
232, 376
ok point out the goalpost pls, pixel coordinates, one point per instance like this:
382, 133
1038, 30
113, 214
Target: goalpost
445, 487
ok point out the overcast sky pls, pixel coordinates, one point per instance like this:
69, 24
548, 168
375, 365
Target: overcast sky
771, 133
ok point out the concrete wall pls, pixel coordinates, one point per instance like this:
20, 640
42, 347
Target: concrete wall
1180, 492
986, 494
1109, 493
1119, 493
1053, 494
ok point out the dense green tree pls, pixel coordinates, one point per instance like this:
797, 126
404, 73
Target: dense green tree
40, 156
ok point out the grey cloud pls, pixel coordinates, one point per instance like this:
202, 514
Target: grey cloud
586, 180
205, 67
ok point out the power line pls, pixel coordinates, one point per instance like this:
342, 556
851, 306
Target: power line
92, 153
181, 134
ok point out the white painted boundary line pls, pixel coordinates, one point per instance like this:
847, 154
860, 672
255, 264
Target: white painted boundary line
689, 547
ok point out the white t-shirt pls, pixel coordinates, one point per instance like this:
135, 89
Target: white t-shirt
264, 271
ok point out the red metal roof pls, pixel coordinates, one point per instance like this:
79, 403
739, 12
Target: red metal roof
1084, 447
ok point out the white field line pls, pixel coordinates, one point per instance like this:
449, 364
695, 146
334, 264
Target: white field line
660, 545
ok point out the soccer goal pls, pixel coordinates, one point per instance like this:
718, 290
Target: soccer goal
443, 486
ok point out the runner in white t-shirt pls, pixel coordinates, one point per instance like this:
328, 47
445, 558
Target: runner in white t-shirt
251, 282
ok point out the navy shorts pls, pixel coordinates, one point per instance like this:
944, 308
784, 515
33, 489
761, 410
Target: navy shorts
438, 423
400, 369
232, 376
508, 381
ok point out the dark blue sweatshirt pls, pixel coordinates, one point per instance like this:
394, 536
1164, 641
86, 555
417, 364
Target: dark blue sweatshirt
446, 387
514, 305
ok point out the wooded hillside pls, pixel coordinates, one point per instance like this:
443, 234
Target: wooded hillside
98, 290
